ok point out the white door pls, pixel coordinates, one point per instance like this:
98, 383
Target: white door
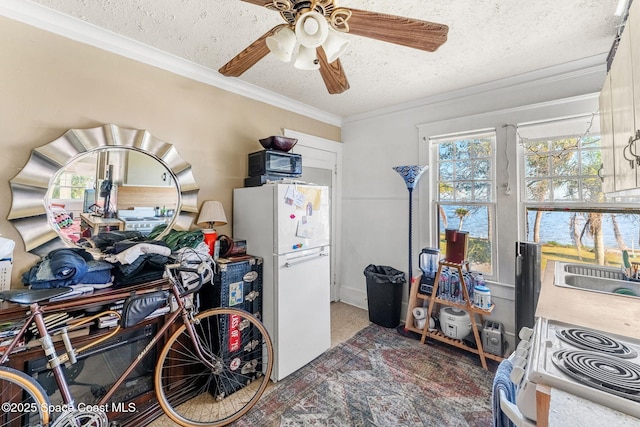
322, 165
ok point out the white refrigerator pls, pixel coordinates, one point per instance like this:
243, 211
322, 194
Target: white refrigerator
288, 225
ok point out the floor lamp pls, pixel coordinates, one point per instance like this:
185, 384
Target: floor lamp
411, 175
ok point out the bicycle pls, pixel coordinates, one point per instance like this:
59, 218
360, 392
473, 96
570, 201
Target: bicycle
199, 379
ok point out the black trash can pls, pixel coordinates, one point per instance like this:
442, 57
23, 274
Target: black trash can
384, 294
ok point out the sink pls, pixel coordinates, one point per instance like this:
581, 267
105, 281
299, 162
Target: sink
595, 278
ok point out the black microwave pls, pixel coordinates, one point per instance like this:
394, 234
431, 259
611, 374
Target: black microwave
275, 163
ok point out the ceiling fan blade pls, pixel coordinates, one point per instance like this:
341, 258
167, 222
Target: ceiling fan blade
257, 2
248, 57
333, 74
408, 32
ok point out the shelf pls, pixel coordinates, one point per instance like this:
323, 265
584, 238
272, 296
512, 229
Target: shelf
459, 304
414, 301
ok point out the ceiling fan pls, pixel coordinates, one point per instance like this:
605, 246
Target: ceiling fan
313, 27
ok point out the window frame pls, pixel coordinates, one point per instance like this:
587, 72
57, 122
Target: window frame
607, 204
490, 204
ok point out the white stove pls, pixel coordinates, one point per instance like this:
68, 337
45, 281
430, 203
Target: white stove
598, 366
142, 219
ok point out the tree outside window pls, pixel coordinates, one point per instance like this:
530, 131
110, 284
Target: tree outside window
565, 207
465, 201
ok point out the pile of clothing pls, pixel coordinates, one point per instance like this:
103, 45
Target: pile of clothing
68, 267
124, 258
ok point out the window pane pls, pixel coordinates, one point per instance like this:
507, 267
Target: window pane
463, 170
462, 149
446, 151
476, 220
564, 144
482, 169
538, 191
566, 189
565, 163
592, 189
535, 147
463, 191
483, 147
561, 231
446, 171
446, 191
591, 162
482, 192
536, 166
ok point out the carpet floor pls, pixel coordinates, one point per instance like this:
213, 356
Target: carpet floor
380, 378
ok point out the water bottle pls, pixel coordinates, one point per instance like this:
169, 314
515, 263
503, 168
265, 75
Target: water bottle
455, 286
444, 283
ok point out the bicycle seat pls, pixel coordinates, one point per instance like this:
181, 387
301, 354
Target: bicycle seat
29, 296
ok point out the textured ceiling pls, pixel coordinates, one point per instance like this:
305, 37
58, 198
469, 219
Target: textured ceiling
488, 40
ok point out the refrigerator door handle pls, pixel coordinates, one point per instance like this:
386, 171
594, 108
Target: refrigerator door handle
303, 260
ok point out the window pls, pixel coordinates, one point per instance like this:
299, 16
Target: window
70, 186
565, 207
561, 169
465, 197
72, 181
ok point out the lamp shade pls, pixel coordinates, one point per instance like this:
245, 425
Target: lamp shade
282, 44
212, 214
312, 29
411, 174
334, 45
306, 59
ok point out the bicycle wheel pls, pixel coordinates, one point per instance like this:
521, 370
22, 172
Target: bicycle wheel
24, 401
239, 354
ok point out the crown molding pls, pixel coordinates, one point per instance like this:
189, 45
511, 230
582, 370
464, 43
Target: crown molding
569, 70
75, 29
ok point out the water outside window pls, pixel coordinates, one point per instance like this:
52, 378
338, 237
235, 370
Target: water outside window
566, 209
466, 200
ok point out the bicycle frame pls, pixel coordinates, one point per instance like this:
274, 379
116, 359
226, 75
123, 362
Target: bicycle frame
181, 311
55, 362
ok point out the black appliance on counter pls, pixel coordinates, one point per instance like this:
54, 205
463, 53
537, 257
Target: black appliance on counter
273, 165
528, 283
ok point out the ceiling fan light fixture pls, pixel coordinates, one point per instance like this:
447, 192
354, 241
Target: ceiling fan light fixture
282, 44
334, 45
306, 59
312, 29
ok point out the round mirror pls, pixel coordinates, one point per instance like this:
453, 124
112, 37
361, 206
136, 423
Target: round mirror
99, 179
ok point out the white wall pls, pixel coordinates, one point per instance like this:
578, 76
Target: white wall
375, 198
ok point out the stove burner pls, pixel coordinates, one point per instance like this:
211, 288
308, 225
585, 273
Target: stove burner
607, 373
589, 340
601, 371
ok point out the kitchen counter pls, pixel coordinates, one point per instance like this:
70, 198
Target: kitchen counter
568, 410
616, 314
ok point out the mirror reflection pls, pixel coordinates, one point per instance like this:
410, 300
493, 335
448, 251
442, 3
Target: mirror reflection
111, 189
48, 194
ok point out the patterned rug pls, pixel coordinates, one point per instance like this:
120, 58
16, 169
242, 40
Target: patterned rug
380, 378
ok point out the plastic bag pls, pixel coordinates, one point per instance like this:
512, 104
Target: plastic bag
384, 274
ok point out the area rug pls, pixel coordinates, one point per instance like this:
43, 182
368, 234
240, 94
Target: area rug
380, 378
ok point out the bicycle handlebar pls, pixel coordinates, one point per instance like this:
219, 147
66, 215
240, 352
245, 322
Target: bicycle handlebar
177, 268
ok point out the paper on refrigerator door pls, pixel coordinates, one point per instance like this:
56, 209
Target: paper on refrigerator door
303, 217
305, 228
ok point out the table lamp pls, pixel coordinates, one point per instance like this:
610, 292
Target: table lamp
211, 214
